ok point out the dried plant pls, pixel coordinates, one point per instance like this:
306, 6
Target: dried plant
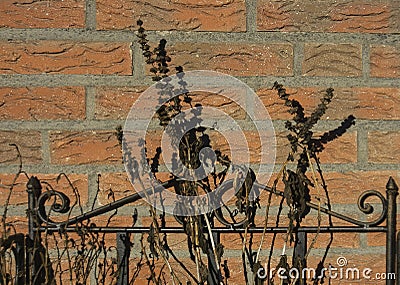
76, 257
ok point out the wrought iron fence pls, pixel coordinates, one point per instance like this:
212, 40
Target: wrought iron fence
32, 266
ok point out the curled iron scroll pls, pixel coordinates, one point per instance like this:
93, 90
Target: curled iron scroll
216, 202
367, 208
249, 217
57, 207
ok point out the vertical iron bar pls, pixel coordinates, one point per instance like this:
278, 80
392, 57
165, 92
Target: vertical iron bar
214, 275
391, 192
16, 244
34, 189
398, 260
299, 253
123, 253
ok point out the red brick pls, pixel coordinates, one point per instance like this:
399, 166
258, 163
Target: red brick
29, 144
115, 103
343, 103
383, 147
42, 103
379, 239
234, 241
343, 188
376, 239
385, 61
363, 103
361, 16
100, 147
143, 273
42, 14
340, 240
186, 15
341, 150
20, 196
112, 221
64, 274
170, 221
351, 184
17, 224
118, 185
332, 60
378, 103
251, 147
118, 103
235, 59
212, 100
58, 57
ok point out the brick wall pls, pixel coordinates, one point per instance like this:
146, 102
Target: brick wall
69, 73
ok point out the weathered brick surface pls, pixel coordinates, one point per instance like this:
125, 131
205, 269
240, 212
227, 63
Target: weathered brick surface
39, 57
363, 103
115, 103
345, 188
383, 147
48, 120
226, 106
116, 186
342, 187
385, 61
42, 103
84, 147
332, 60
361, 16
187, 15
19, 223
241, 147
29, 144
234, 241
377, 103
340, 240
235, 59
42, 14
143, 273
341, 150
379, 239
20, 196
169, 219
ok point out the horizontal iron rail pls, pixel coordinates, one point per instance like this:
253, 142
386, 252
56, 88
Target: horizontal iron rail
139, 195
116, 204
226, 230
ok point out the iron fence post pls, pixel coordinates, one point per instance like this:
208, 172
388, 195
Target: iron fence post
34, 189
391, 192
123, 253
19, 253
398, 260
299, 253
